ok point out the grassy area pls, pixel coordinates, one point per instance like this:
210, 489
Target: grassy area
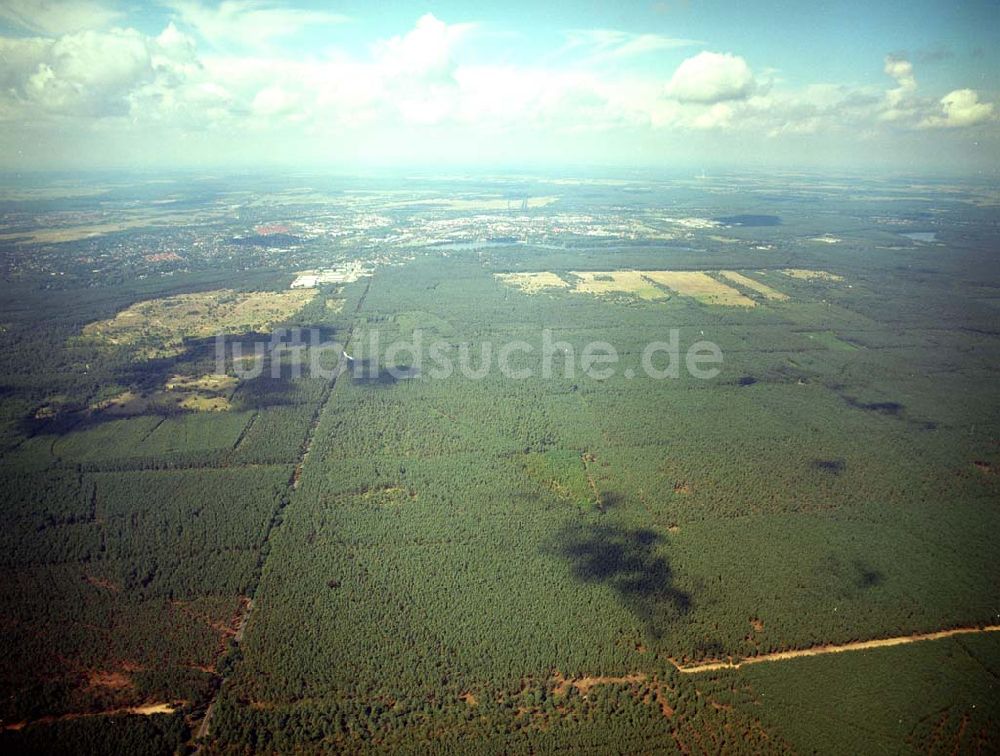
160, 326
700, 286
627, 282
749, 283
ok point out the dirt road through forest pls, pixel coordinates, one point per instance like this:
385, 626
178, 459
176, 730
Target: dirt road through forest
691, 669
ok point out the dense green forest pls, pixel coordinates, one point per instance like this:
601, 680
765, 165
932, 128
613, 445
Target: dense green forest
426, 563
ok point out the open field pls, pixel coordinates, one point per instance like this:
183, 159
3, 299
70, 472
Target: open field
533, 282
699, 286
748, 283
811, 275
125, 222
160, 326
205, 393
629, 282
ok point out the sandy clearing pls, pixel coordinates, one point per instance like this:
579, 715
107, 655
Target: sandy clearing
145, 710
901, 640
584, 684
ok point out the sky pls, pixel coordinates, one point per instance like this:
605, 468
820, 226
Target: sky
902, 87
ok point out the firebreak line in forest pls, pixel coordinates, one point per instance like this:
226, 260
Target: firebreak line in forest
899, 640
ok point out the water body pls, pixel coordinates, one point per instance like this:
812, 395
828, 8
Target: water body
921, 236
484, 244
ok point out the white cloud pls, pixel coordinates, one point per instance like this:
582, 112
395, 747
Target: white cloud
419, 87
248, 23
960, 108
55, 17
605, 44
902, 71
718, 116
900, 103
415, 72
87, 73
20, 59
426, 51
711, 77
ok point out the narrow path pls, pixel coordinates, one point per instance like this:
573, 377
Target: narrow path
590, 478
145, 710
901, 640
201, 731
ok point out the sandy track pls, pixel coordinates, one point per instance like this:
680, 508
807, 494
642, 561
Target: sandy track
145, 710
900, 640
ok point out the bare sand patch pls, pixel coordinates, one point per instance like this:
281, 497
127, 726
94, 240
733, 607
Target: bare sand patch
156, 708
210, 382
748, 283
700, 286
145, 710
584, 684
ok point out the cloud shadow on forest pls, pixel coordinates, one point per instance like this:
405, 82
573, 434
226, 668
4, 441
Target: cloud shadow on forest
265, 389
629, 561
365, 372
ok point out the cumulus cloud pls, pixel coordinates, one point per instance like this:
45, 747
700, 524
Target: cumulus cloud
87, 73
425, 51
899, 101
416, 70
960, 108
185, 80
711, 77
58, 16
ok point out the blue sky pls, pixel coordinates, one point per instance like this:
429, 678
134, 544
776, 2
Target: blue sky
893, 86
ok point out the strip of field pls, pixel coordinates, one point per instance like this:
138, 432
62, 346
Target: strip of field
700, 286
811, 275
532, 282
748, 283
692, 669
629, 282
56, 235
